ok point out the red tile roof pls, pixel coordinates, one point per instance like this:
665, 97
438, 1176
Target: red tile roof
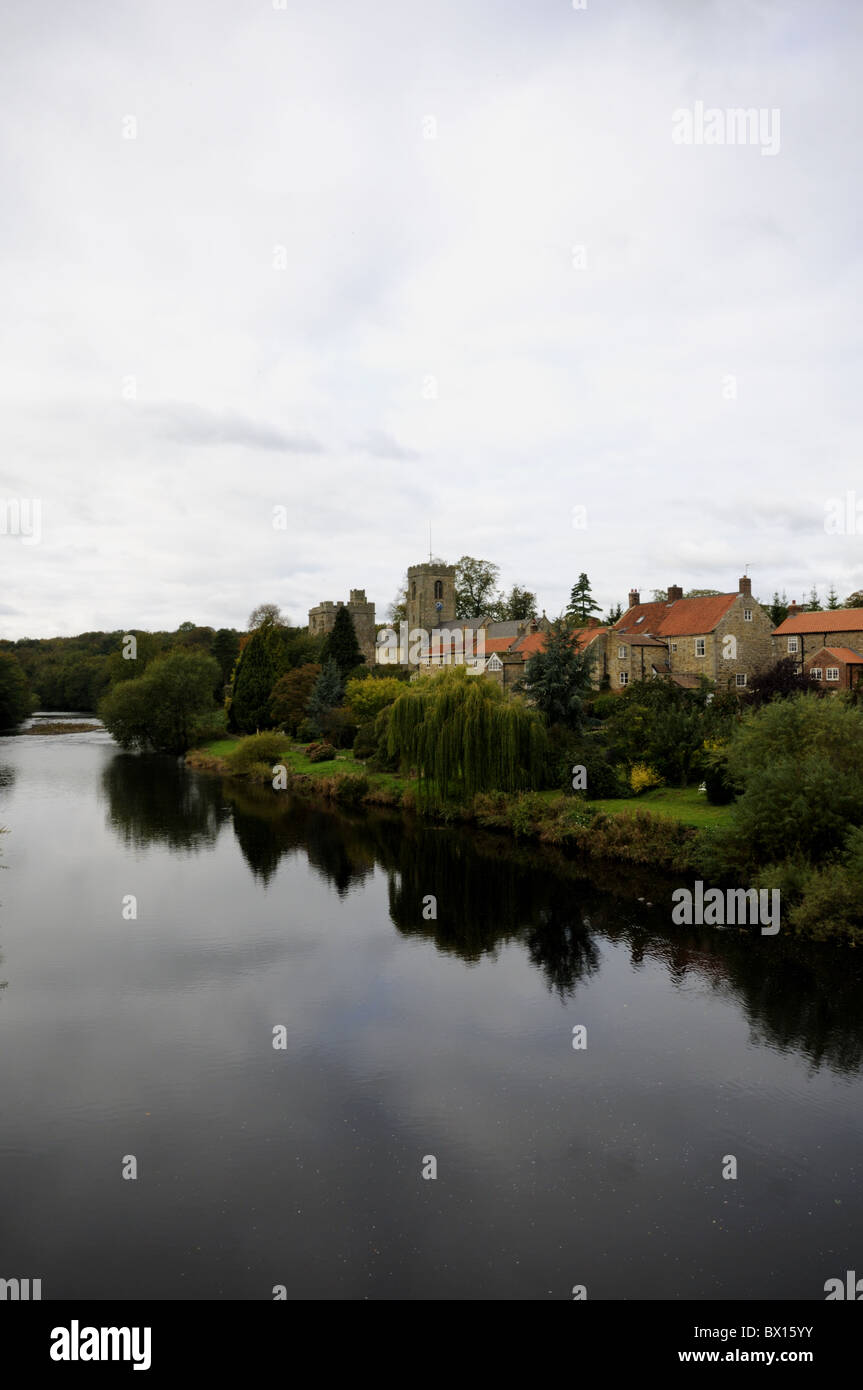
495, 644
684, 617
534, 642
839, 620
840, 653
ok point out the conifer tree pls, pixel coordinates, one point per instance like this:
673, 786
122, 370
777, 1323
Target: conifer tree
341, 644
581, 600
326, 695
259, 666
558, 678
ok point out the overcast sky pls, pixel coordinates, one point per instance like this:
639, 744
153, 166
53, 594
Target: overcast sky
394, 265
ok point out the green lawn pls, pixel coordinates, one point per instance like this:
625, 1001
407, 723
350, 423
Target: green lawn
686, 804
295, 760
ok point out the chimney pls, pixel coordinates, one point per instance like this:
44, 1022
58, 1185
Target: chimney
593, 621
744, 585
674, 593
634, 598
793, 610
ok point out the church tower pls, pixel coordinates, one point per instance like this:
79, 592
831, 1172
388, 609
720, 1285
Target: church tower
431, 595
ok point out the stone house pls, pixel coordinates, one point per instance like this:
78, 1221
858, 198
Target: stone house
725, 637
802, 635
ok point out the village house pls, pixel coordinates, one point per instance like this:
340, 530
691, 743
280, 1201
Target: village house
834, 668
805, 636
725, 637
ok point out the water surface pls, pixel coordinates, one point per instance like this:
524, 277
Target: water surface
406, 1039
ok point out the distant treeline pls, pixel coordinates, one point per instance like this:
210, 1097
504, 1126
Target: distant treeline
74, 673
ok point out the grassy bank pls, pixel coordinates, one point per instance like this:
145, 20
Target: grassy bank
661, 829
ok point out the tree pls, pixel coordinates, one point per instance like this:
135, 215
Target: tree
799, 765
226, 649
777, 611
516, 606
581, 600
832, 599
558, 679
14, 695
266, 613
813, 606
341, 644
398, 609
702, 593
163, 708
615, 613
854, 600
475, 587
366, 697
778, 682
326, 695
660, 595
291, 694
463, 735
261, 662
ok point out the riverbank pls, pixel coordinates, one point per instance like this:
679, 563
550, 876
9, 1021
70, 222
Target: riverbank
665, 829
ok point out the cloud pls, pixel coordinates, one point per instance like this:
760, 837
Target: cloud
382, 445
184, 423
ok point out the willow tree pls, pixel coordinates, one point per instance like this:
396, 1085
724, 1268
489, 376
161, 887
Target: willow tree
463, 735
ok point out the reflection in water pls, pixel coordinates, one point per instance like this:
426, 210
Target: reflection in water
796, 996
155, 801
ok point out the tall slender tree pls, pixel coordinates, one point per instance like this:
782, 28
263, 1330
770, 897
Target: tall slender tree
581, 601
341, 644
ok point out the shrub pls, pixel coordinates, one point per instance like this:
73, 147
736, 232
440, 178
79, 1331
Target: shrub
366, 741
603, 705
642, 778
257, 748
307, 731
525, 813
349, 789
320, 752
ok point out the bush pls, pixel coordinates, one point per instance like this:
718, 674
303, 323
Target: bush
642, 778
320, 752
366, 741
603, 705
349, 789
307, 731
257, 748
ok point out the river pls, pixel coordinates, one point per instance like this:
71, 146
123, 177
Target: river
411, 1044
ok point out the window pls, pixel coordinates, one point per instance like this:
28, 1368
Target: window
621, 653
815, 673
494, 663
438, 589
639, 620
740, 679
624, 678
792, 644
699, 646
413, 588
832, 673
674, 646
747, 615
